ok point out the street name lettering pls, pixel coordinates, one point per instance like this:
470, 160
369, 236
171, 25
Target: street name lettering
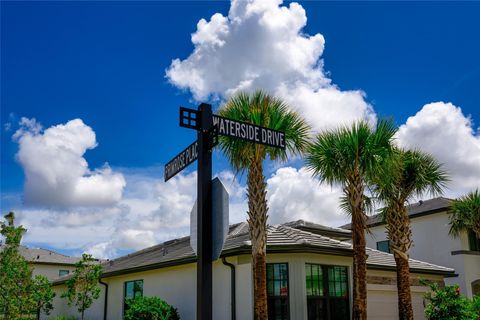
181, 161
249, 132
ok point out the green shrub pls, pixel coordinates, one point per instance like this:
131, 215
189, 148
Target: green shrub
150, 308
448, 304
476, 306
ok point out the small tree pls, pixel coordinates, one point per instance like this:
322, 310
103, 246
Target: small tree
82, 288
42, 295
15, 273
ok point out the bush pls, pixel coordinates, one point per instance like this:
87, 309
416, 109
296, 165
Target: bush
476, 306
448, 304
150, 308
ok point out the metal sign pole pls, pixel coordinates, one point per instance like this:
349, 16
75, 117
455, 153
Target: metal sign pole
204, 214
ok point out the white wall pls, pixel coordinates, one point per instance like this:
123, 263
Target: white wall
432, 243
50, 270
61, 308
177, 286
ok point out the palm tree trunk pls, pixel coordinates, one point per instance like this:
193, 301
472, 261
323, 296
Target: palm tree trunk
400, 234
257, 221
355, 196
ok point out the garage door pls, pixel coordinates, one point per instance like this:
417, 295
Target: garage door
382, 305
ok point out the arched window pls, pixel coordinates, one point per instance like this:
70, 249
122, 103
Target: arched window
476, 287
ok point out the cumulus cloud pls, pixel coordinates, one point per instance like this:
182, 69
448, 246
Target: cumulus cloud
442, 130
294, 194
56, 172
261, 45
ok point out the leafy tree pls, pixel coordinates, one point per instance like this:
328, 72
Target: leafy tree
15, 273
448, 304
42, 295
266, 111
150, 308
82, 287
465, 214
350, 157
407, 174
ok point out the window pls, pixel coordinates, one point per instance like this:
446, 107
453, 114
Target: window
473, 241
476, 287
384, 246
133, 289
277, 291
327, 292
62, 273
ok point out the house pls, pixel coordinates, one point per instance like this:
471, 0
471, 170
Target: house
48, 263
431, 242
309, 276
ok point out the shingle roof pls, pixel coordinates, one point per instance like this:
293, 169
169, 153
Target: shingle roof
280, 238
320, 229
38, 255
417, 209
379, 259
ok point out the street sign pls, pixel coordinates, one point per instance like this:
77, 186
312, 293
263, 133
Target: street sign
219, 219
181, 161
235, 129
249, 132
211, 223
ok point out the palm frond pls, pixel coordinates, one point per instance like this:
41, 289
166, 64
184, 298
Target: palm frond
465, 214
263, 110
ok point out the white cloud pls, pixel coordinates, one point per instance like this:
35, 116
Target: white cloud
261, 45
56, 172
294, 194
442, 130
150, 212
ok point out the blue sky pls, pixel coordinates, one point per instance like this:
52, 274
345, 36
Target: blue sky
106, 63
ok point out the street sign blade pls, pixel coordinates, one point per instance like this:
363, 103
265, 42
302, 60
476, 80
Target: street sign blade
249, 132
181, 161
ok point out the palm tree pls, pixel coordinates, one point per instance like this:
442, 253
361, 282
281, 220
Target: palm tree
266, 111
348, 157
465, 214
407, 174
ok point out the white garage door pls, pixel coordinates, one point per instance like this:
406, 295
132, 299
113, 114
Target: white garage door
382, 305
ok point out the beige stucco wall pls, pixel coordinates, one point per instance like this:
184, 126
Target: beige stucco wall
50, 270
177, 285
60, 306
432, 243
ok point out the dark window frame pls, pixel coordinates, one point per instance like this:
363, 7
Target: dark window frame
269, 297
325, 297
125, 292
473, 241
383, 242
63, 272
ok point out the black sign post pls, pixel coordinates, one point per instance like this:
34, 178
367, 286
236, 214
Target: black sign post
208, 127
204, 213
